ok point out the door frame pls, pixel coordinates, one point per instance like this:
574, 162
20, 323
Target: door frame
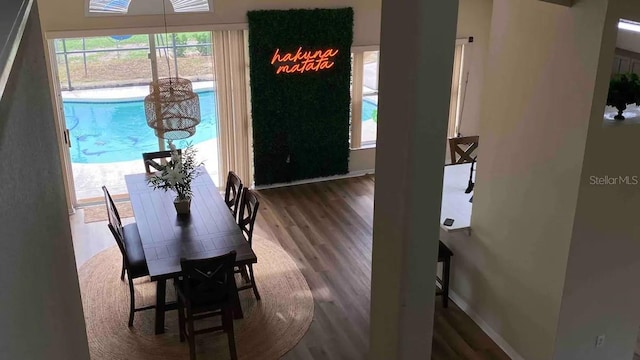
61, 127
56, 96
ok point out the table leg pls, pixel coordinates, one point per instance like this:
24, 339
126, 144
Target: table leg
445, 281
161, 290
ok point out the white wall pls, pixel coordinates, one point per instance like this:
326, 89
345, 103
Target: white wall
362, 160
8, 17
600, 294
41, 315
539, 82
474, 19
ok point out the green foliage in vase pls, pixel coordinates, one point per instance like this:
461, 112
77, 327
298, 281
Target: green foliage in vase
624, 89
178, 173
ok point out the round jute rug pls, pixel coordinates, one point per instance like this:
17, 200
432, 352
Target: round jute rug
270, 328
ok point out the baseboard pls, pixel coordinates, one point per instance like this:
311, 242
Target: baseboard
361, 173
316, 180
502, 343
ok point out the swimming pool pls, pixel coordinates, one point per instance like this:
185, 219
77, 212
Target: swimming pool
367, 109
106, 132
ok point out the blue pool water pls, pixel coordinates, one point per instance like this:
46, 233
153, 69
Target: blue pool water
105, 132
367, 109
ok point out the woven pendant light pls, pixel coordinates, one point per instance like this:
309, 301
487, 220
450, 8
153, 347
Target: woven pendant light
172, 108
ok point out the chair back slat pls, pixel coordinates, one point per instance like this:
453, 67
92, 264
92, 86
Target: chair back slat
232, 193
115, 224
249, 205
210, 278
150, 157
462, 148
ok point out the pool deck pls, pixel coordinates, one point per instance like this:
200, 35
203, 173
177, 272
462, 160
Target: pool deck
89, 178
125, 93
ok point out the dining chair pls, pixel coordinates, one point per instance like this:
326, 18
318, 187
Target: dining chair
248, 212
133, 260
149, 159
463, 146
207, 288
232, 193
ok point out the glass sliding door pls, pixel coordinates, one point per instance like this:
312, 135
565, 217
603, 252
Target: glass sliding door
364, 98
103, 82
370, 98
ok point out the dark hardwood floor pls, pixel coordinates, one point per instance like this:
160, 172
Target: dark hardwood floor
327, 228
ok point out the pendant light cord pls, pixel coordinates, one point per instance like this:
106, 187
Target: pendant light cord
166, 40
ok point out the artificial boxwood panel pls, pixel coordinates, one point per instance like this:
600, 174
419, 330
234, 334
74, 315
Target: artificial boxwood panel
300, 119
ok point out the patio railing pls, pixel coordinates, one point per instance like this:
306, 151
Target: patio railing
171, 47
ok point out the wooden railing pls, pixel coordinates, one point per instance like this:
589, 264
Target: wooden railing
13, 19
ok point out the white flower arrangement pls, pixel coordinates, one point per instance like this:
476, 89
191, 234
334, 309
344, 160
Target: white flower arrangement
178, 173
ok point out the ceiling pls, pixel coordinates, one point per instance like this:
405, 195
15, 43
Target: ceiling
628, 40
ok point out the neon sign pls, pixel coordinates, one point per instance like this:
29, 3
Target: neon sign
303, 61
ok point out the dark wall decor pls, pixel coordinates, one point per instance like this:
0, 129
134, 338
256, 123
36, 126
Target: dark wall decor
300, 92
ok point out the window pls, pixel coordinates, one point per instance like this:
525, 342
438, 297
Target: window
458, 83
370, 98
145, 7
109, 6
364, 94
364, 104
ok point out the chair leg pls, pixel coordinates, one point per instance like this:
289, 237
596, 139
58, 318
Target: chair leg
122, 272
132, 302
245, 275
191, 338
253, 282
181, 318
445, 282
227, 320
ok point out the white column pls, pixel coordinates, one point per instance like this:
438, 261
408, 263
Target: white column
416, 61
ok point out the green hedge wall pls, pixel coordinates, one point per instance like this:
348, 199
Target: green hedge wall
300, 120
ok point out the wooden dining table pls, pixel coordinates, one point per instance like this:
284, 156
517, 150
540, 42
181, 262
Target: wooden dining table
208, 231
456, 204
